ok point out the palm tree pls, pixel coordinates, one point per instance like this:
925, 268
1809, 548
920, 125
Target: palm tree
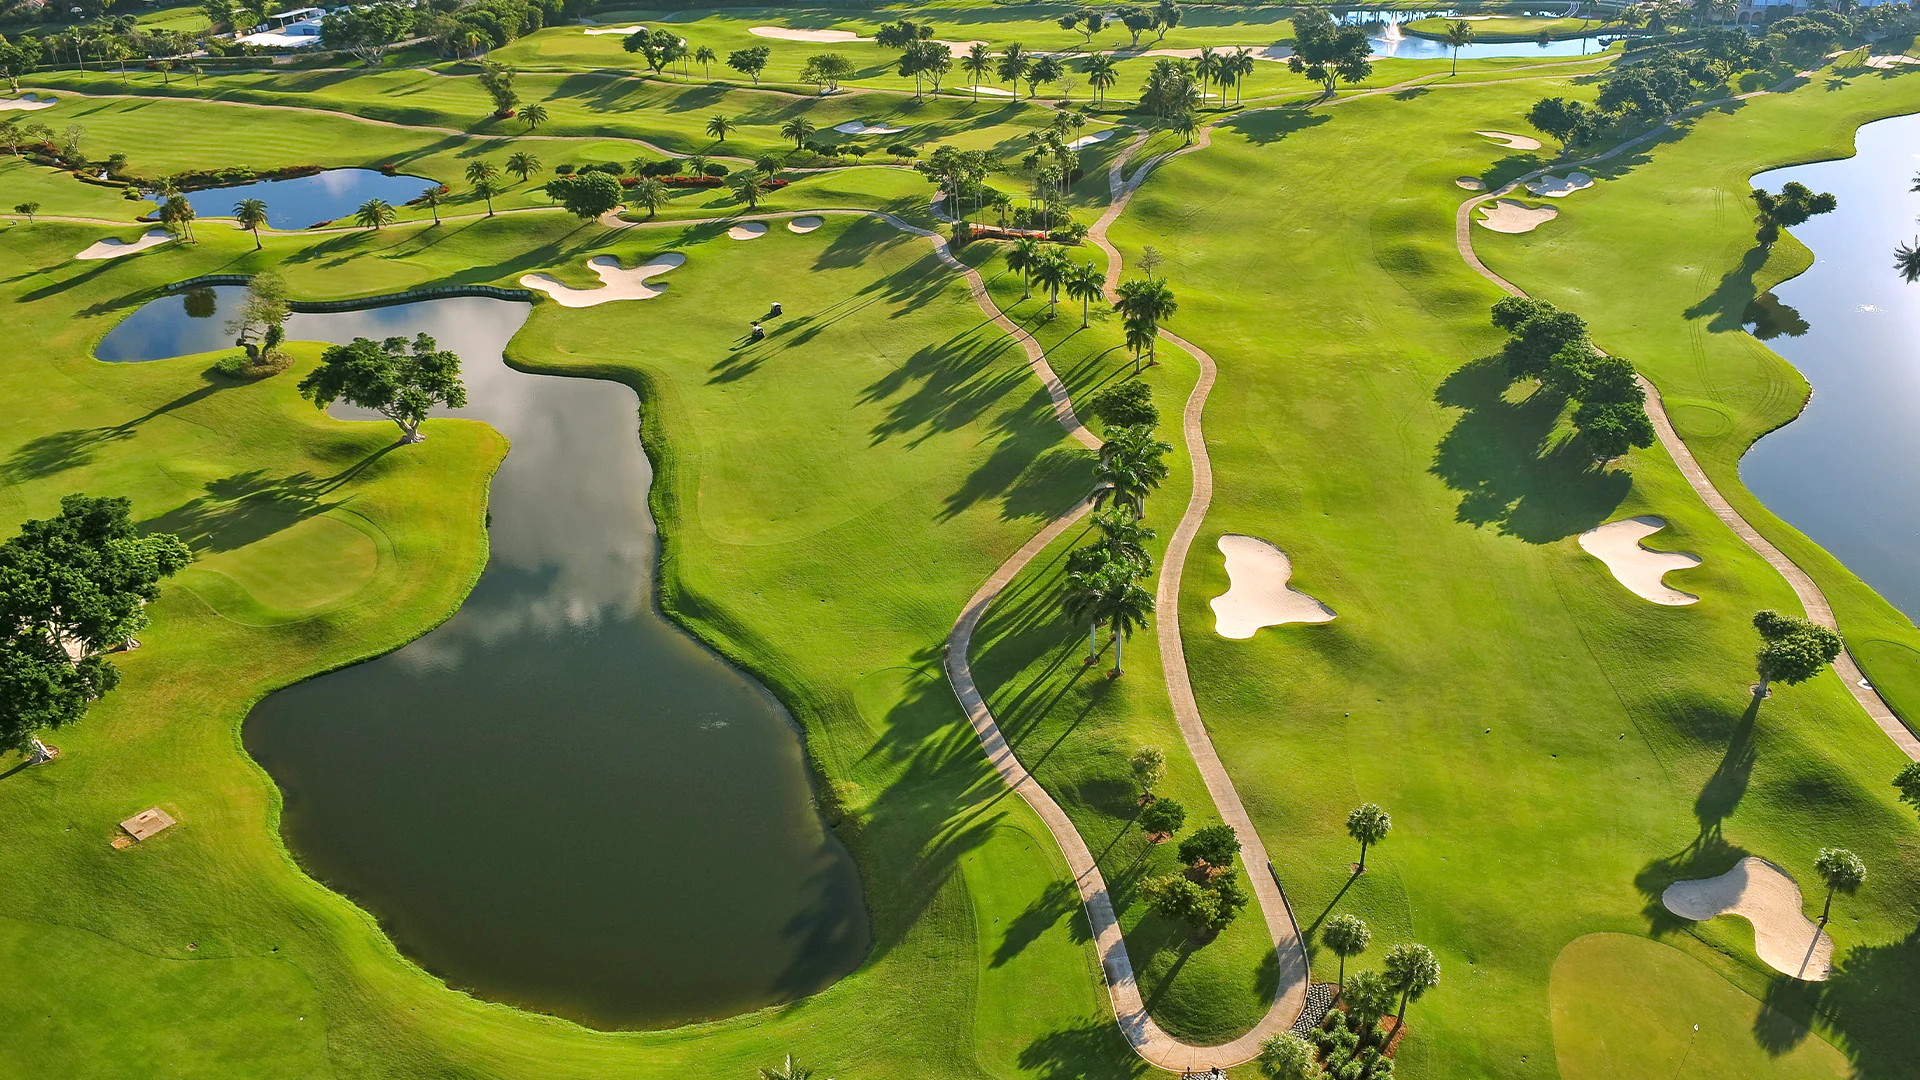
1082, 598
432, 197
705, 56
767, 165
1122, 540
487, 188
1906, 260
1459, 33
977, 64
719, 125
1207, 66
524, 164
534, 115
1124, 607
1186, 125
1101, 73
651, 193
749, 186
483, 175
792, 1070
1085, 284
697, 164
1346, 936
1843, 871
177, 213
375, 214
1013, 65
1131, 465
799, 129
1368, 824
1145, 303
251, 214
1412, 970
1023, 256
1243, 62
1050, 273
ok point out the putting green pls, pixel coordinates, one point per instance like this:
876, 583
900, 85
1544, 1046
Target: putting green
302, 564
1627, 1006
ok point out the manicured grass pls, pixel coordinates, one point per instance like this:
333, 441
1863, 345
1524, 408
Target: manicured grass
1626, 1006
1506, 27
1554, 750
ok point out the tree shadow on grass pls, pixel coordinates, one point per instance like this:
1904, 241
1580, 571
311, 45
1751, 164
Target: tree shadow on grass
1731, 302
56, 452
1091, 1051
1271, 126
1869, 999
246, 507
1511, 473
1058, 901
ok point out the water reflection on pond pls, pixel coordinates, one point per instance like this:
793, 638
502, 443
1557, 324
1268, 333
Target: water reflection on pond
557, 798
306, 200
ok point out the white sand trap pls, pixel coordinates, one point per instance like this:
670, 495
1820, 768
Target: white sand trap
1471, 183
748, 230
1617, 543
782, 33
1259, 595
1766, 896
605, 31
1507, 216
615, 283
113, 247
958, 48
28, 103
856, 127
804, 224
1889, 62
987, 91
1518, 142
1089, 140
1554, 187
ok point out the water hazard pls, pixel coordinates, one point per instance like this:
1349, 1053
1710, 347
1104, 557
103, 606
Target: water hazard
556, 799
308, 200
1847, 472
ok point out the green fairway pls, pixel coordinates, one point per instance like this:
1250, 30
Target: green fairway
1505, 27
1554, 750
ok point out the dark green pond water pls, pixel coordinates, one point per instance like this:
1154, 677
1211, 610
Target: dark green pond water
558, 799
1847, 472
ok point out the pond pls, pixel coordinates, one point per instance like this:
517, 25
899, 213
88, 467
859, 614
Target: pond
1390, 43
308, 200
556, 799
1847, 471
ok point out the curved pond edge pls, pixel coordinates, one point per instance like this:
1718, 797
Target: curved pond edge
728, 641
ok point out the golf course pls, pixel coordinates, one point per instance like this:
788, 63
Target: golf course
978, 540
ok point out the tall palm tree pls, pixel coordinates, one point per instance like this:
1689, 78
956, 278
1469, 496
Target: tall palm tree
533, 115
791, 1070
749, 186
705, 56
1207, 66
1346, 936
177, 213
1124, 607
1013, 65
719, 125
1906, 260
484, 176
1050, 273
375, 214
651, 193
523, 164
1843, 871
432, 198
1368, 824
1412, 970
978, 63
251, 214
1023, 256
1132, 463
1101, 73
1145, 302
1086, 284
1242, 67
799, 129
1122, 539
1186, 125
1459, 33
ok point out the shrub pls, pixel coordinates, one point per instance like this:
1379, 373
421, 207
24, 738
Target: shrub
563, 170
902, 150
714, 169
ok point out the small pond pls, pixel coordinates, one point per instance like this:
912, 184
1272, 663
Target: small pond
1847, 472
557, 798
307, 200
1389, 42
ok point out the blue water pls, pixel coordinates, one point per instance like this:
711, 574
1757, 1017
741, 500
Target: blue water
178, 325
1388, 45
1847, 472
308, 200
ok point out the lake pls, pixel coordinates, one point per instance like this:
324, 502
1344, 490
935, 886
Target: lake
1847, 472
556, 799
308, 200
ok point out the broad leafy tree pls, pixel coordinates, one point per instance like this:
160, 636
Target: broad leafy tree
1792, 649
1286, 1056
1907, 780
398, 379
587, 195
1793, 206
1326, 52
1149, 767
824, 70
1124, 405
1162, 817
261, 323
72, 587
1570, 122
1214, 846
367, 32
750, 62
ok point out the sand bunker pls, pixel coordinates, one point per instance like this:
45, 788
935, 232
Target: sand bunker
1471, 183
1617, 543
113, 247
1764, 895
1089, 140
601, 31
615, 283
856, 127
1507, 216
1888, 62
1518, 142
29, 102
1259, 595
783, 33
1553, 187
804, 224
748, 230
989, 91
